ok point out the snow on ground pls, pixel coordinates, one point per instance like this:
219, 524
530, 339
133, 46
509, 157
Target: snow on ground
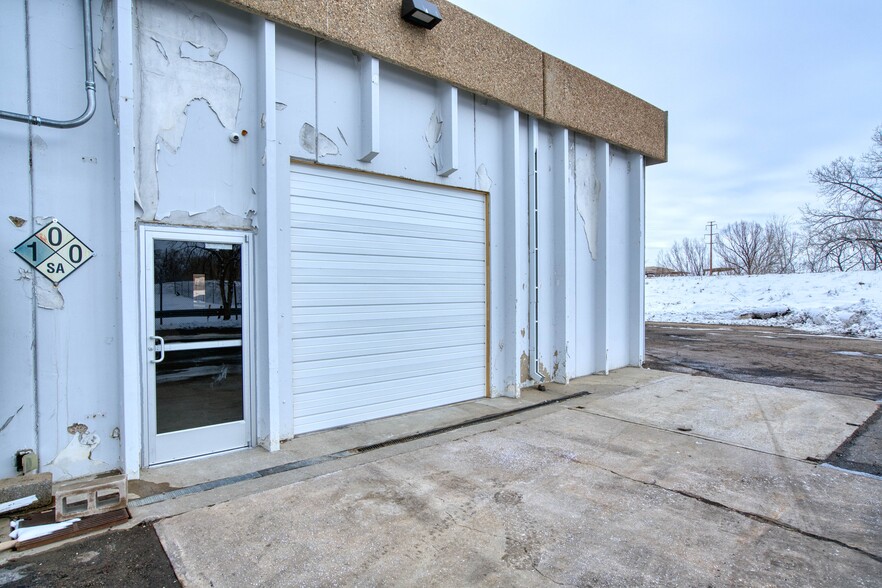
843, 303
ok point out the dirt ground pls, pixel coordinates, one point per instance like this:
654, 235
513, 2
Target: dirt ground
781, 357
133, 558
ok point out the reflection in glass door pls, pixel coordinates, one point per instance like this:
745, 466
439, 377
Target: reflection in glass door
198, 376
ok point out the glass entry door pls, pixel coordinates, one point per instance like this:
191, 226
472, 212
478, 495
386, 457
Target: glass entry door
197, 299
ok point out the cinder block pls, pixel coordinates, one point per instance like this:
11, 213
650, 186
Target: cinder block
39, 485
81, 498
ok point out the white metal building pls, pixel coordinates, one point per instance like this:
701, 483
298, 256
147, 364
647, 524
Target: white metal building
300, 215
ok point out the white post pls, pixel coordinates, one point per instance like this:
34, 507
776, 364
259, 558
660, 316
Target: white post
603, 294
370, 108
564, 256
515, 248
267, 357
129, 331
637, 257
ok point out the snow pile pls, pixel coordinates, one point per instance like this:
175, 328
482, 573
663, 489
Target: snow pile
848, 303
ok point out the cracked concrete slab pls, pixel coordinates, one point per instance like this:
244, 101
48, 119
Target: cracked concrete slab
566, 497
783, 421
793, 493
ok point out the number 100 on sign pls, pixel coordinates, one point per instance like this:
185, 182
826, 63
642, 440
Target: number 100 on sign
54, 251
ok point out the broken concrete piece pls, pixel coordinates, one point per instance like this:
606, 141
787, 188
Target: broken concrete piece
39, 485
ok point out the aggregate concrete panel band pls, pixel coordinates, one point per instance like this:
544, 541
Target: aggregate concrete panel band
474, 55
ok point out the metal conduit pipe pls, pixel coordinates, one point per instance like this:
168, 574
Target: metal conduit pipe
533, 199
90, 85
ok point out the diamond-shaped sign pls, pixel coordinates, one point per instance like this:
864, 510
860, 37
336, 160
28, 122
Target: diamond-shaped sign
54, 251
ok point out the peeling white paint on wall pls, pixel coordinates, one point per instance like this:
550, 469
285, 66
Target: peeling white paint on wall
483, 178
75, 460
216, 217
178, 51
433, 134
318, 144
588, 191
9, 420
47, 294
104, 57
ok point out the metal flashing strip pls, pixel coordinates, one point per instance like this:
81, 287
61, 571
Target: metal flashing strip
303, 463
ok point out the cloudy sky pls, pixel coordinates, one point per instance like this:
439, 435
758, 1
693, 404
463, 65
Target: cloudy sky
759, 92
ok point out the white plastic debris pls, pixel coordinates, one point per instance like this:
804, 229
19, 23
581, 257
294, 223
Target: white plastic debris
18, 503
28, 533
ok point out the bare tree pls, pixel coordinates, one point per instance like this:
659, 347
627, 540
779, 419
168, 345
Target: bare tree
786, 244
688, 256
751, 248
846, 231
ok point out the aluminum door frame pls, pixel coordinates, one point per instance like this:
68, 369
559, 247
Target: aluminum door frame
147, 233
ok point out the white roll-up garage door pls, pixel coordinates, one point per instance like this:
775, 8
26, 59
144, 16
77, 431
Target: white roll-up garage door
389, 294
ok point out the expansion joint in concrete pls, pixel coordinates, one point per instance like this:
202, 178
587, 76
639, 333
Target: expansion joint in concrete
702, 437
747, 514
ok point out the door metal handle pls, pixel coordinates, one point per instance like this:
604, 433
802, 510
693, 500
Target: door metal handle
160, 344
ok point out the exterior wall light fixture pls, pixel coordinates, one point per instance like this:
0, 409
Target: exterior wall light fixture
420, 13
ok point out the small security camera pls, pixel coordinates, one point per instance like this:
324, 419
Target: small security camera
235, 137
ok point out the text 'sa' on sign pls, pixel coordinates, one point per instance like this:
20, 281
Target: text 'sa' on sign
54, 251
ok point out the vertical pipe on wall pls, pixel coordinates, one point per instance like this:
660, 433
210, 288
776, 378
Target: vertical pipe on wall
533, 211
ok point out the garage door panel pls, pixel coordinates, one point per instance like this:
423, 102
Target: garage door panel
388, 314
365, 266
318, 382
350, 324
360, 413
351, 345
369, 214
319, 222
389, 296
385, 276
390, 390
390, 364
396, 198
382, 246
309, 295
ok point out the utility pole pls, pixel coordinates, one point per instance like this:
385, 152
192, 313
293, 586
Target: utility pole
710, 234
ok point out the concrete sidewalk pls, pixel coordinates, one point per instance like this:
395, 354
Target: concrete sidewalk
654, 479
